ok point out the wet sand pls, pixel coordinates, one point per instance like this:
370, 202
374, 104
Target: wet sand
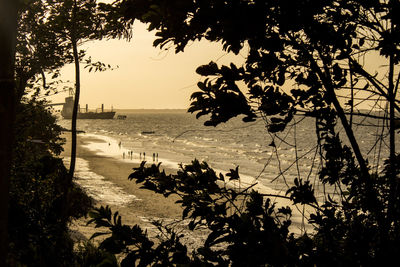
148, 204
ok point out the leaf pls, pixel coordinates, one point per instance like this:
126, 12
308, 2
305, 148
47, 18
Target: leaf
115, 217
233, 174
99, 234
206, 70
214, 237
272, 144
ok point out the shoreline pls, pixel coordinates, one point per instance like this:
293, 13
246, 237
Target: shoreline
140, 210
145, 206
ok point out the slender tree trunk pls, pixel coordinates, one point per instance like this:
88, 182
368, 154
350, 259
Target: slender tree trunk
341, 114
77, 93
352, 97
350, 136
392, 148
75, 111
8, 28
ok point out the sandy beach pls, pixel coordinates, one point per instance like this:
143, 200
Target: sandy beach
100, 173
146, 205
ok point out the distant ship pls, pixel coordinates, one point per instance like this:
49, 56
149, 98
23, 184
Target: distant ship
85, 114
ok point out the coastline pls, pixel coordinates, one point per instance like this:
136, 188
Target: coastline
146, 205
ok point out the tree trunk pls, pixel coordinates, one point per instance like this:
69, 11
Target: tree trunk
8, 28
77, 93
327, 83
392, 147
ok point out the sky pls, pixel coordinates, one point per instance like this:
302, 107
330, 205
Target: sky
146, 77
150, 78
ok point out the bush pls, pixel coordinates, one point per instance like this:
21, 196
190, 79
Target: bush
42, 202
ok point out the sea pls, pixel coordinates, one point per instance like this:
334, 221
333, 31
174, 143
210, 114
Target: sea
266, 162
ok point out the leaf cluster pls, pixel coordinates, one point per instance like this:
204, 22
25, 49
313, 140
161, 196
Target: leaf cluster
301, 57
38, 46
246, 228
46, 29
312, 53
134, 244
84, 20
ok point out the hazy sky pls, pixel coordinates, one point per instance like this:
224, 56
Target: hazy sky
147, 77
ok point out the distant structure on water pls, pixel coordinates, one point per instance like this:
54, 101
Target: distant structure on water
148, 132
85, 114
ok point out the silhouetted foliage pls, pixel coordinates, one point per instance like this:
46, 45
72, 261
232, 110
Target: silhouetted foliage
32, 45
251, 235
89, 255
39, 51
306, 58
38, 217
300, 56
133, 242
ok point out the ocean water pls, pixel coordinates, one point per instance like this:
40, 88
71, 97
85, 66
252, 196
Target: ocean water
178, 137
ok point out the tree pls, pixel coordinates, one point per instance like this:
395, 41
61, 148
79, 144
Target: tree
39, 41
29, 48
302, 58
79, 21
38, 48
